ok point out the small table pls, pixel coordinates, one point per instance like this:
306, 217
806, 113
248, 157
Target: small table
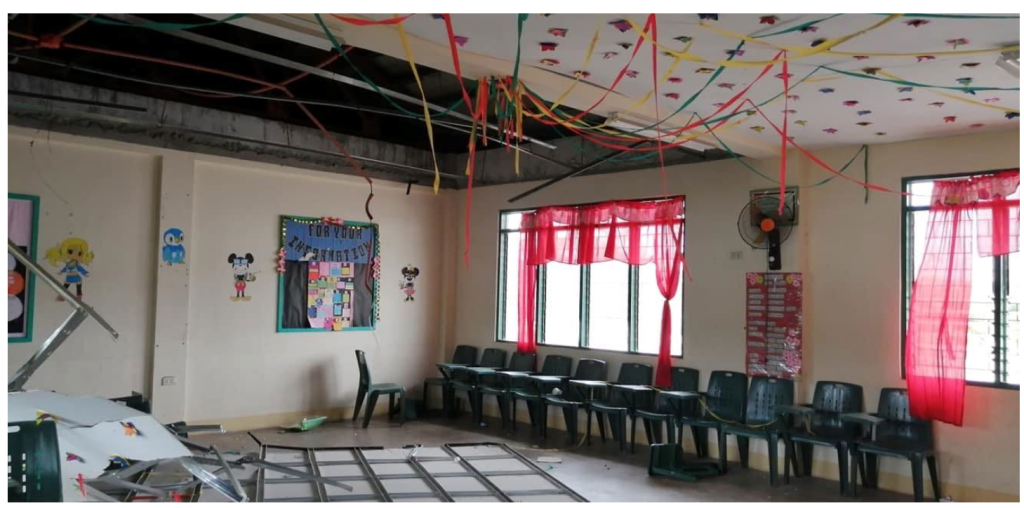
667, 459
588, 387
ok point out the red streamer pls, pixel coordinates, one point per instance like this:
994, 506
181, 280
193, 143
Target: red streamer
785, 135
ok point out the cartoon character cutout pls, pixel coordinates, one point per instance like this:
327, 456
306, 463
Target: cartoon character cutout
173, 251
241, 267
408, 284
74, 254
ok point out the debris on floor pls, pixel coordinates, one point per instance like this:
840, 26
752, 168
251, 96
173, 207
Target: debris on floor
307, 424
549, 460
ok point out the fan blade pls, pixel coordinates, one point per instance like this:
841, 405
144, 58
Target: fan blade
761, 237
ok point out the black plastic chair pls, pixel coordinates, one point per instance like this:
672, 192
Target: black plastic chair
464, 355
572, 398
368, 389
556, 370
724, 401
499, 385
764, 396
620, 404
820, 424
895, 434
684, 379
466, 380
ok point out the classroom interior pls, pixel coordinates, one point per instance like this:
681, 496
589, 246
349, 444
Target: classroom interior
741, 257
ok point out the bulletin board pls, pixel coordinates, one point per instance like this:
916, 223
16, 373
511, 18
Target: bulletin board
774, 324
23, 229
328, 275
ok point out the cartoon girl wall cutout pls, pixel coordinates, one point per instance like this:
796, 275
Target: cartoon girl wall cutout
74, 254
408, 284
241, 267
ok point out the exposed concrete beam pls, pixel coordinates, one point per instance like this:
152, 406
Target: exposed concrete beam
41, 103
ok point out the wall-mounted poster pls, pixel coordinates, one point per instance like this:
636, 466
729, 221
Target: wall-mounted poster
774, 324
22, 229
327, 280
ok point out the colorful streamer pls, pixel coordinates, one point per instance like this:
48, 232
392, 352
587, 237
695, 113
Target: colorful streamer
156, 25
373, 22
426, 108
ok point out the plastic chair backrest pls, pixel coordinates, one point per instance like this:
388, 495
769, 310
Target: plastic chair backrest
727, 394
685, 379
523, 362
590, 369
464, 355
364, 370
894, 407
635, 374
832, 398
557, 365
766, 394
493, 358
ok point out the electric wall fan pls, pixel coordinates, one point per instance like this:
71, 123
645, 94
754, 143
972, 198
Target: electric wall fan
763, 227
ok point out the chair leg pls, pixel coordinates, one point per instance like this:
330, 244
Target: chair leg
872, 467
917, 470
401, 407
371, 403
773, 459
476, 398
622, 431
648, 432
744, 445
513, 402
542, 418
856, 464
391, 406
632, 435
807, 456
569, 414
933, 472
589, 415
844, 468
787, 455
700, 440
723, 451
359, 402
600, 424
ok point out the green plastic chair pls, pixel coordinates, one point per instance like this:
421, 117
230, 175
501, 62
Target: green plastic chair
499, 385
573, 398
684, 379
33, 463
724, 401
370, 392
764, 396
464, 380
553, 373
895, 434
464, 355
820, 424
616, 407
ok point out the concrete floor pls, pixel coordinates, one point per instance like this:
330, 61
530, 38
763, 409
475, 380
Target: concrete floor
599, 471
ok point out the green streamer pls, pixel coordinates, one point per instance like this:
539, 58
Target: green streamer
956, 16
798, 27
156, 25
920, 85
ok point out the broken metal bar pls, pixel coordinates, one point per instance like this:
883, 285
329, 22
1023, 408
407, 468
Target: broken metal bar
210, 479
231, 475
575, 172
374, 480
431, 480
321, 491
479, 476
295, 472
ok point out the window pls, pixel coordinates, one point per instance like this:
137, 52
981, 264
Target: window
994, 317
609, 306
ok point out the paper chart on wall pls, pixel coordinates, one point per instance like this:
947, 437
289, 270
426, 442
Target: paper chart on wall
774, 316
331, 286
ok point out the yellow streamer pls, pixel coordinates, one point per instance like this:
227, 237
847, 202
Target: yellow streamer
586, 64
956, 97
683, 55
643, 100
519, 122
968, 52
426, 110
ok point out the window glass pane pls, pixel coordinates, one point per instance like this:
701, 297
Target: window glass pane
609, 306
562, 305
921, 193
511, 220
650, 307
1013, 321
981, 325
511, 296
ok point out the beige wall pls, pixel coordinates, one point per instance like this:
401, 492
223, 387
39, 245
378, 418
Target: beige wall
849, 252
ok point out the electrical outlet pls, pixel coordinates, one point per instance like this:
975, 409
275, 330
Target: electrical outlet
168, 381
736, 254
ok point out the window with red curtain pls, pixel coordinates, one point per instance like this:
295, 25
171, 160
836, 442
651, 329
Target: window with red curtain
961, 309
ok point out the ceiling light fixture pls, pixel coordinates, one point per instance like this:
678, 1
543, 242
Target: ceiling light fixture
636, 128
1009, 61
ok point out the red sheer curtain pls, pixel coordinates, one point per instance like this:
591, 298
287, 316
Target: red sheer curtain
632, 232
936, 348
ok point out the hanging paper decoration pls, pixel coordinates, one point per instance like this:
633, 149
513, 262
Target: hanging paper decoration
860, 57
461, 41
620, 25
809, 29
793, 98
672, 95
905, 89
992, 100
783, 75
241, 269
674, 79
850, 104
558, 32
118, 461
548, 46
727, 86
668, 54
916, 22
550, 62
632, 73
863, 124
827, 90
580, 74
130, 429
173, 252
684, 39
801, 122
704, 70
43, 416
768, 20
718, 104
830, 130
969, 65
708, 17
334, 221
75, 255
625, 45
818, 42
71, 457
789, 111
908, 99
376, 268
1012, 114
608, 55
924, 58
734, 52
958, 42
408, 284
864, 112
977, 125
871, 71
937, 104
280, 260
965, 81
969, 92
437, 16
757, 129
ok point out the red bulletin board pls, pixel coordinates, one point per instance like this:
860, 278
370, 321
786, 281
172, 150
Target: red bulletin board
774, 324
